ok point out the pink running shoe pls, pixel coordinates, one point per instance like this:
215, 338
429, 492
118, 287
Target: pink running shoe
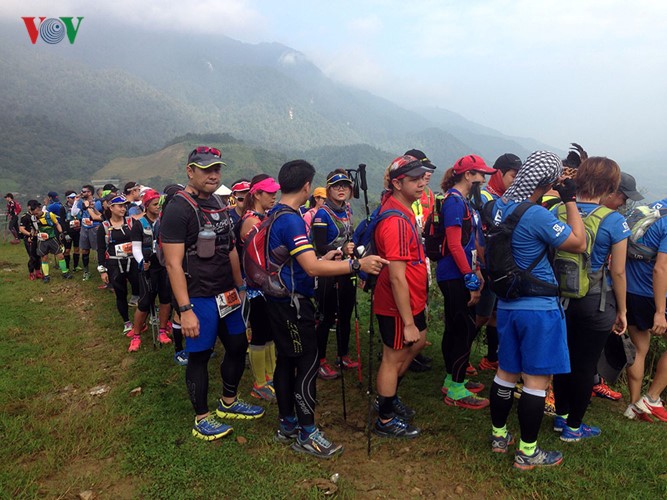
135, 343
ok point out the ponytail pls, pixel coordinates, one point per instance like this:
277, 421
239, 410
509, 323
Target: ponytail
449, 179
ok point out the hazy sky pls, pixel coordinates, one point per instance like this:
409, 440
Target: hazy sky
593, 72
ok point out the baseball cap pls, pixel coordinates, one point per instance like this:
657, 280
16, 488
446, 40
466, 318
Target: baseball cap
472, 162
628, 187
407, 165
506, 162
52, 194
240, 186
419, 154
150, 195
204, 157
320, 192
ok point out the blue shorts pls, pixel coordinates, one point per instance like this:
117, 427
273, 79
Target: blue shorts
533, 342
210, 324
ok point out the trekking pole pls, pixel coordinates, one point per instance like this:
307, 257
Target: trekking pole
356, 334
339, 345
369, 388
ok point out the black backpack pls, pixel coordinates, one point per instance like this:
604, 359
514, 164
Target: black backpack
506, 279
435, 244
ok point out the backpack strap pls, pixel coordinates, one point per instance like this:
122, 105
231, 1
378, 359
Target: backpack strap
511, 223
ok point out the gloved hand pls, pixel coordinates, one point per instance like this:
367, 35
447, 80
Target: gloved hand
567, 190
472, 282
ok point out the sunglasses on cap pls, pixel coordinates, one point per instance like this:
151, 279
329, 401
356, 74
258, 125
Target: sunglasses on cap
206, 150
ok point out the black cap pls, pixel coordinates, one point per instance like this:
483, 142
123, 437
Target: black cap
416, 153
506, 162
628, 187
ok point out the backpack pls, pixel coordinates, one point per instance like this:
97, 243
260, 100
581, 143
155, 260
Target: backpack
573, 270
364, 238
639, 221
507, 280
435, 244
17, 207
263, 265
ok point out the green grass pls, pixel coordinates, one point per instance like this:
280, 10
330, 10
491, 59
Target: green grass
59, 440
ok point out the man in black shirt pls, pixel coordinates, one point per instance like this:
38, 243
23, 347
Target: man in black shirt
205, 276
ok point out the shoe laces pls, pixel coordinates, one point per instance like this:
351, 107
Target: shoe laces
318, 437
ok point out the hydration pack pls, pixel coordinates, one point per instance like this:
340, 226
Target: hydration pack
639, 221
435, 236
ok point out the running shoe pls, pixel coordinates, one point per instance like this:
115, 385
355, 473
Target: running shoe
584, 431
239, 409
655, 409
135, 343
32, 276
86, 276
470, 370
39, 275
540, 458
348, 363
128, 329
471, 402
550, 402
162, 337
46, 279
485, 364
325, 372
134, 300
210, 428
67, 276
634, 413
500, 444
602, 390
286, 436
77, 269
317, 445
472, 386
559, 423
181, 358
396, 428
420, 364
264, 392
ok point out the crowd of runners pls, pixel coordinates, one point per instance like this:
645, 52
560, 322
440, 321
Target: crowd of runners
544, 257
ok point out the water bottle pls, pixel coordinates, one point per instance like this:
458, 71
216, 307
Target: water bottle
206, 242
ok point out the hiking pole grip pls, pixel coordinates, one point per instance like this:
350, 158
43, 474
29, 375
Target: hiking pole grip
362, 177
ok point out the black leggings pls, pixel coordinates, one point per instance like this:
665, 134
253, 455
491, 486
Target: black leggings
153, 283
329, 300
296, 359
118, 279
231, 369
460, 329
587, 333
34, 262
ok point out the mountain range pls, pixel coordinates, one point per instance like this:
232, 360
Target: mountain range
126, 104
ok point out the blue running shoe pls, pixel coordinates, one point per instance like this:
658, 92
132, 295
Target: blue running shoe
559, 423
181, 358
210, 428
317, 445
500, 444
396, 427
540, 458
584, 431
285, 435
239, 409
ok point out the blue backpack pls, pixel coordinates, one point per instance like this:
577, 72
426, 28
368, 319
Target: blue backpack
364, 238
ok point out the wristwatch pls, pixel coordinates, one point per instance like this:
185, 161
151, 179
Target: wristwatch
101, 269
186, 307
355, 266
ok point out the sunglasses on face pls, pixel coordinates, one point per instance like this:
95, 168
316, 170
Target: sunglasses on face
240, 198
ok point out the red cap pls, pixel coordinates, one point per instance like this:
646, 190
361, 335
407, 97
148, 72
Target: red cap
472, 162
149, 196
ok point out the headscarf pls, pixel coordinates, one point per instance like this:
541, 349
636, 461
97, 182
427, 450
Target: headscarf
541, 168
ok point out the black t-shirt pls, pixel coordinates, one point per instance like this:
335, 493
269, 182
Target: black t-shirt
27, 222
205, 277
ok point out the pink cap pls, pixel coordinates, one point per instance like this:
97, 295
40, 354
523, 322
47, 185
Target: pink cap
268, 185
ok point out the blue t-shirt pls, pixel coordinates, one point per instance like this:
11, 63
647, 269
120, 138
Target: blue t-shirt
537, 230
612, 230
290, 230
134, 209
640, 273
86, 220
659, 204
455, 209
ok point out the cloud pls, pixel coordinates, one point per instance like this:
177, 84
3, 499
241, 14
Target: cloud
365, 27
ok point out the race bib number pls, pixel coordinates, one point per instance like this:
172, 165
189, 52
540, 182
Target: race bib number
75, 224
123, 249
227, 302
87, 222
43, 236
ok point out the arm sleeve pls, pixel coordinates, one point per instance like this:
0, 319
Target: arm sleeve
76, 208
137, 252
320, 232
453, 235
101, 246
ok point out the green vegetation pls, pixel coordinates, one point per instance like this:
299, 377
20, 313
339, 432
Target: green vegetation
63, 339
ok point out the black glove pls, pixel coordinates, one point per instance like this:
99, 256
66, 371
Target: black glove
567, 190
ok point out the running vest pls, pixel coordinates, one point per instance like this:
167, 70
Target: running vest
47, 224
343, 225
149, 234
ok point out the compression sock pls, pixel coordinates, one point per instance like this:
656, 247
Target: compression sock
492, 343
76, 259
178, 336
258, 364
270, 361
63, 266
531, 411
501, 398
67, 259
45, 268
386, 407
85, 258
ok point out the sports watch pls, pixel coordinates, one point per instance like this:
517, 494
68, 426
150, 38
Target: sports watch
186, 307
355, 266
